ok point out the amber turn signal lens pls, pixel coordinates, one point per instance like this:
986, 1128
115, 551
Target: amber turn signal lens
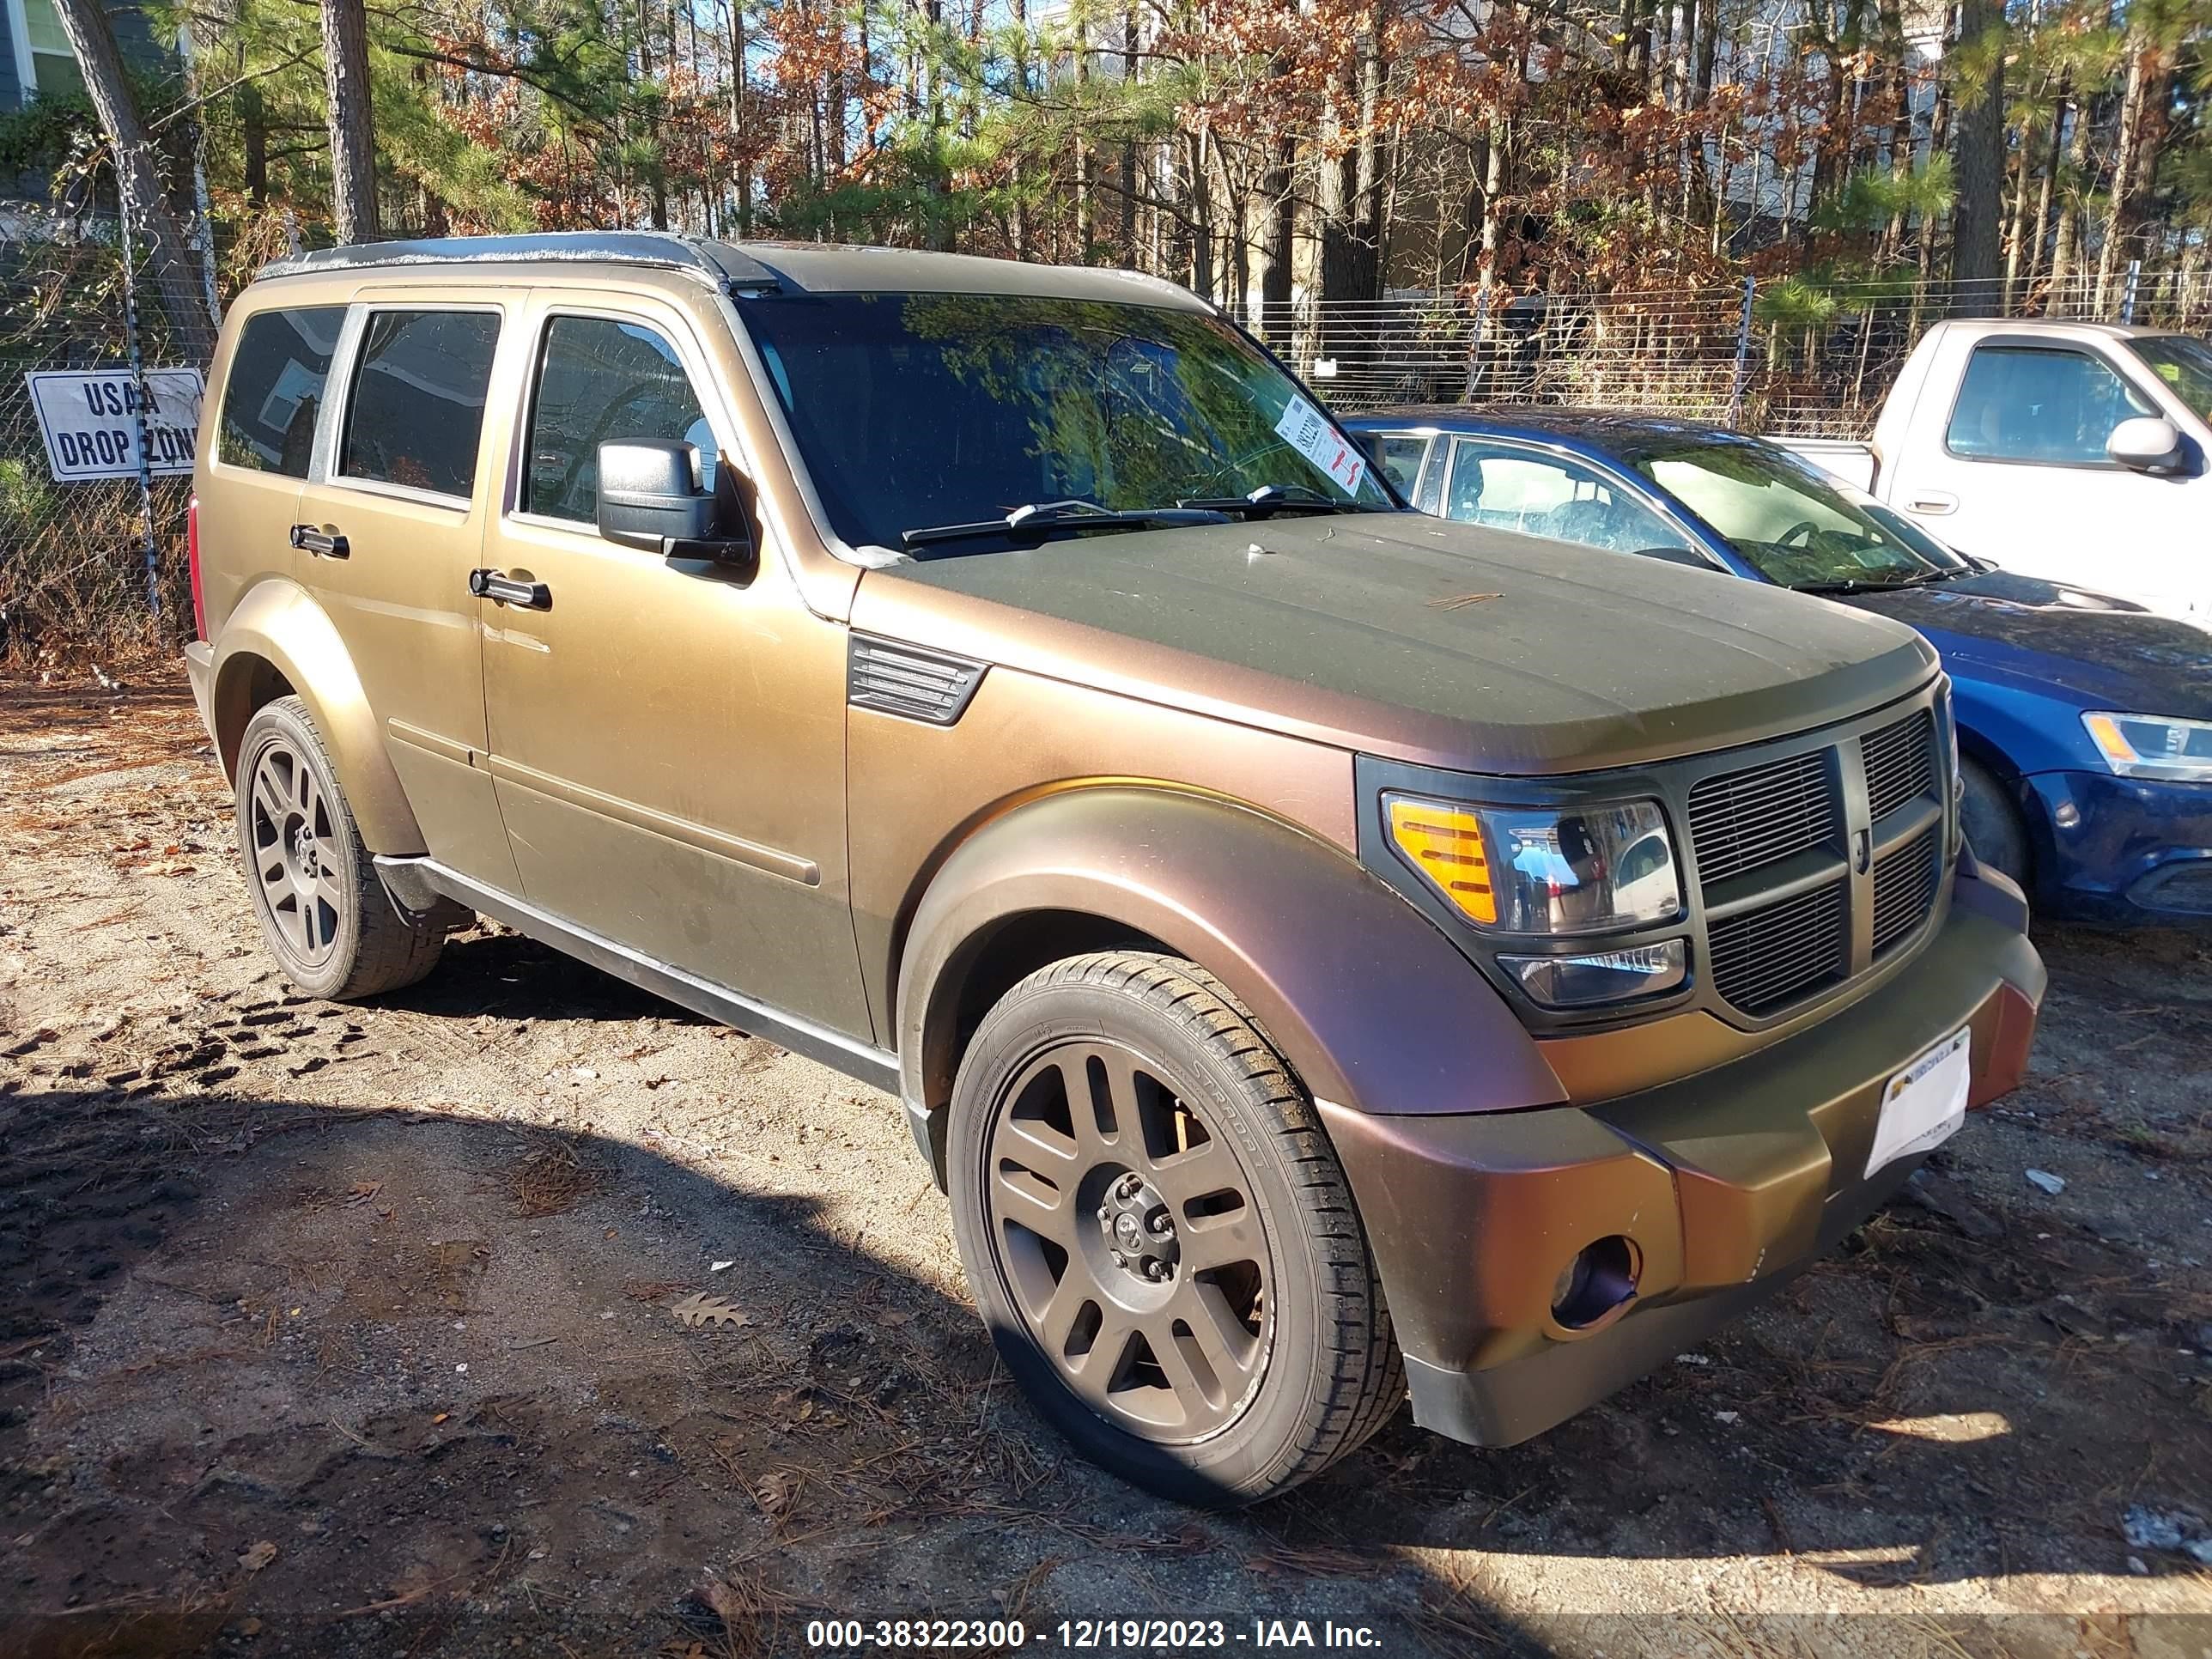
1444, 843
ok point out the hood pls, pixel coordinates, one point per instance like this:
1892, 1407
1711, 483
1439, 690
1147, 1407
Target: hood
1403, 635
2053, 639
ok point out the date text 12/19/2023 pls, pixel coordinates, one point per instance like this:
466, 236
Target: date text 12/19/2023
1083, 1635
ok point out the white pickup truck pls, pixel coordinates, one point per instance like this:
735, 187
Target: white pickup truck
2078, 452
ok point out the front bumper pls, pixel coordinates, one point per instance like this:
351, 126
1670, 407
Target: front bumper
2121, 851
1728, 1183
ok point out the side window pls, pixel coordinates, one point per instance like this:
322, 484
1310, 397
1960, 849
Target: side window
602, 381
418, 399
1547, 495
1401, 456
2034, 403
274, 389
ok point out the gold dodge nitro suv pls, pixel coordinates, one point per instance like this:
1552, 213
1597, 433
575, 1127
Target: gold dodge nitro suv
1323, 952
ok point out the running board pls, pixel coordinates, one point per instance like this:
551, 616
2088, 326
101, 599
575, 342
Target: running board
417, 884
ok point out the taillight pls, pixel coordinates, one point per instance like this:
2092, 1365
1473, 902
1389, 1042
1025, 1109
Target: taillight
192, 562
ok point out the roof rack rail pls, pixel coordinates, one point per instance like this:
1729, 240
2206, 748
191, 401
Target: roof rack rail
718, 263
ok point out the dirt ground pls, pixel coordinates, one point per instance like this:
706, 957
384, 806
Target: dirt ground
349, 1330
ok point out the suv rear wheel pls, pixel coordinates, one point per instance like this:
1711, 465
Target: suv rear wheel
325, 917
1159, 1236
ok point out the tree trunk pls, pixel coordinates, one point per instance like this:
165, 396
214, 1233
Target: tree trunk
1277, 238
352, 123
1978, 157
1021, 100
2143, 119
738, 118
138, 179
2066, 246
254, 123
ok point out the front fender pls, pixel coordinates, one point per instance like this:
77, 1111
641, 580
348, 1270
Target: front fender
278, 623
1370, 1004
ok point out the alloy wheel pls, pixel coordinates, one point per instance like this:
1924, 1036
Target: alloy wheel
295, 855
1130, 1238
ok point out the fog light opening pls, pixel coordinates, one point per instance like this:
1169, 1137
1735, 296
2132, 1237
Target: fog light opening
1599, 1280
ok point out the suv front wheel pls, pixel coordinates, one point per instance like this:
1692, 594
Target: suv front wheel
1159, 1236
325, 917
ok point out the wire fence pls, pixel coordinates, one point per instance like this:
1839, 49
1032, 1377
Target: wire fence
97, 567
1788, 358
91, 566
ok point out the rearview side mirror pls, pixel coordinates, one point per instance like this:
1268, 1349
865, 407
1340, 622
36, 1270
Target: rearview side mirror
650, 499
2148, 443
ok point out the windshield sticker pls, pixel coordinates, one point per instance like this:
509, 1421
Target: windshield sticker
1303, 428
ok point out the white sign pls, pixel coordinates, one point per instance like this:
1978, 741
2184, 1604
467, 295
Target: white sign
90, 418
1305, 430
1924, 1104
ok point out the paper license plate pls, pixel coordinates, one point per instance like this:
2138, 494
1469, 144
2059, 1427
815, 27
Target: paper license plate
1924, 1104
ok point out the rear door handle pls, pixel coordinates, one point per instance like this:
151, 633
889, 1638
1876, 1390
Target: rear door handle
1932, 502
324, 543
499, 586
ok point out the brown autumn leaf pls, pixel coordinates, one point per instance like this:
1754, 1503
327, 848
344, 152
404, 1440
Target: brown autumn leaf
258, 1556
1461, 601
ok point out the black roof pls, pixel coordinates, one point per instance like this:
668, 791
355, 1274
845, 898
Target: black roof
717, 262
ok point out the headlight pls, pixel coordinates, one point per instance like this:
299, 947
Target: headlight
1539, 870
2152, 746
1581, 981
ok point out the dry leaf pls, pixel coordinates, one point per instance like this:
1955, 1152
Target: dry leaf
258, 1556
699, 1309
1461, 601
776, 1492
361, 1191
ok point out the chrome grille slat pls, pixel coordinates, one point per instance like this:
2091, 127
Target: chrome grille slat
1766, 957
1900, 762
1750, 832
1905, 880
1742, 820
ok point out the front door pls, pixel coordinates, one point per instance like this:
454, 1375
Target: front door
2021, 477
388, 528
667, 736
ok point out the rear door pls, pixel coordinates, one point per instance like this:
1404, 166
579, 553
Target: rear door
390, 525
2015, 473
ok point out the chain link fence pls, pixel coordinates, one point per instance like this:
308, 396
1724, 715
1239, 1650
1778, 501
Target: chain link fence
98, 568
92, 568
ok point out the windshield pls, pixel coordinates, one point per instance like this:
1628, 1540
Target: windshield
2184, 363
1794, 525
915, 410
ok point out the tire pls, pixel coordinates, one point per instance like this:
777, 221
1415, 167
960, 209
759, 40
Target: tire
1991, 822
325, 915
1241, 1349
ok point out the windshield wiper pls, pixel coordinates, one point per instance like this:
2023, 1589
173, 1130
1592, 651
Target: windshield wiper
1856, 584
1045, 518
1271, 498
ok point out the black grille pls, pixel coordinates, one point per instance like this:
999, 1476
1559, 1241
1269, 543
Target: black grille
1900, 762
1742, 820
1904, 889
906, 679
1767, 957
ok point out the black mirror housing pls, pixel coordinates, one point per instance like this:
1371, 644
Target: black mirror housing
650, 499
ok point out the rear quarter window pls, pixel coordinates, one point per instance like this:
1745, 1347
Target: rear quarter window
274, 389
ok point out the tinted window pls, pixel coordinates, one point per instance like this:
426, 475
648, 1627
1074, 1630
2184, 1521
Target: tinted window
418, 399
601, 381
1402, 459
274, 389
1536, 494
2025, 404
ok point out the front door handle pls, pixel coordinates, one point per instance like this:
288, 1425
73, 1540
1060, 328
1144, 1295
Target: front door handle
497, 584
1932, 502
323, 544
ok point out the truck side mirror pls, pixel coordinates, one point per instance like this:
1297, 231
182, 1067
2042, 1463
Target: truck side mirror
650, 499
2148, 443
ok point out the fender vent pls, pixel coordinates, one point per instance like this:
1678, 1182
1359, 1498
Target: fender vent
909, 681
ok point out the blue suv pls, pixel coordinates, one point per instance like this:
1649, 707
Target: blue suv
2085, 724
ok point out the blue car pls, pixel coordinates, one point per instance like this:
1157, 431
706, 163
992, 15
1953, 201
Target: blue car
2085, 724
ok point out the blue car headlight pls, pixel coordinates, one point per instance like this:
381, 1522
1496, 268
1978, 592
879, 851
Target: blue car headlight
2153, 745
